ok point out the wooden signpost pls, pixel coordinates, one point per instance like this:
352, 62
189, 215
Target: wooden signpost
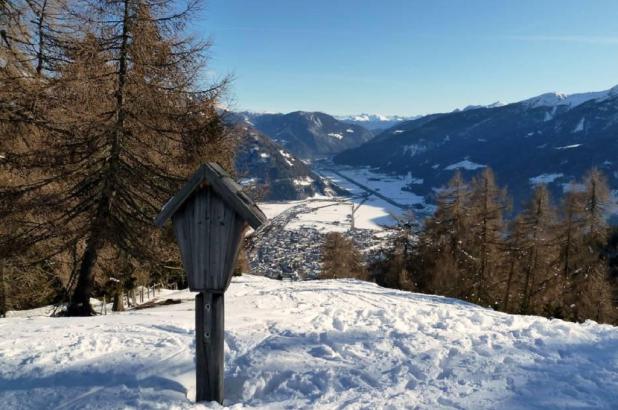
209, 215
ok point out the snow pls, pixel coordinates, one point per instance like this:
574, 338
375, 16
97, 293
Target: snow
555, 99
398, 131
545, 178
465, 164
349, 131
317, 344
335, 135
286, 154
306, 181
364, 209
375, 117
272, 209
580, 126
549, 115
247, 181
569, 146
391, 186
264, 155
288, 158
414, 149
475, 107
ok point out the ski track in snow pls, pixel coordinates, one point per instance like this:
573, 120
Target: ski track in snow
321, 344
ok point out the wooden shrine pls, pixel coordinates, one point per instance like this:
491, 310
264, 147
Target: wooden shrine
209, 216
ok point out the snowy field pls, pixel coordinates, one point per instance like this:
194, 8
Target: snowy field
331, 214
366, 209
320, 344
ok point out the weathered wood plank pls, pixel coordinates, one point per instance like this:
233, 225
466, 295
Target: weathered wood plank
209, 327
224, 185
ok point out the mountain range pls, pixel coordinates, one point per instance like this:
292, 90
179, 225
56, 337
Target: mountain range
375, 122
552, 138
309, 135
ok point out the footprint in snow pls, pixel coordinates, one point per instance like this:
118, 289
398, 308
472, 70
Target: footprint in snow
323, 352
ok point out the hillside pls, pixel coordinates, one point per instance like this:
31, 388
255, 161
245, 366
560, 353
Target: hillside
553, 138
273, 173
267, 170
309, 134
317, 344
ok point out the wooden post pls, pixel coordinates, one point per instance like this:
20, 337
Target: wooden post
3, 304
209, 346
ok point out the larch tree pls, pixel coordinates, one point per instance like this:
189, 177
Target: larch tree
129, 123
443, 243
539, 252
488, 202
30, 37
591, 290
340, 258
395, 270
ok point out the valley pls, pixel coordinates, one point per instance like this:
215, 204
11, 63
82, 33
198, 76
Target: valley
289, 245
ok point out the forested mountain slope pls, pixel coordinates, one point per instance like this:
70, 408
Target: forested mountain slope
552, 138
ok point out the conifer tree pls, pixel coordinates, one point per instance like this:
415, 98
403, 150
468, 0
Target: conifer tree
488, 202
512, 260
539, 252
341, 258
444, 240
128, 125
591, 291
396, 270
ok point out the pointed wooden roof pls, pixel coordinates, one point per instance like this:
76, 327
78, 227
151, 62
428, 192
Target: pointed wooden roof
220, 181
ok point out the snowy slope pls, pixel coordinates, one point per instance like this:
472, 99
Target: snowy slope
320, 344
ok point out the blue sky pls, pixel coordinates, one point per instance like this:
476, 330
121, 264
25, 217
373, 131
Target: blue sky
407, 56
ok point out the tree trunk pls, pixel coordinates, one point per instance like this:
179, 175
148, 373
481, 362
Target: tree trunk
80, 301
118, 305
509, 282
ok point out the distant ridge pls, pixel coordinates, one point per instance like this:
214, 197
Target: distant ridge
552, 138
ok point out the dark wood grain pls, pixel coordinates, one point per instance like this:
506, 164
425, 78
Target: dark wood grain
209, 349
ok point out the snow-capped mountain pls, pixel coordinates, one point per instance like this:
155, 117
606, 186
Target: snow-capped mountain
375, 122
555, 99
309, 134
552, 138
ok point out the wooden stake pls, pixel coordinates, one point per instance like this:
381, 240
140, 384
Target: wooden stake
209, 346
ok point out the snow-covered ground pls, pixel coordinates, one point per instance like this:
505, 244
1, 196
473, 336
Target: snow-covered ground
321, 344
332, 214
376, 200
